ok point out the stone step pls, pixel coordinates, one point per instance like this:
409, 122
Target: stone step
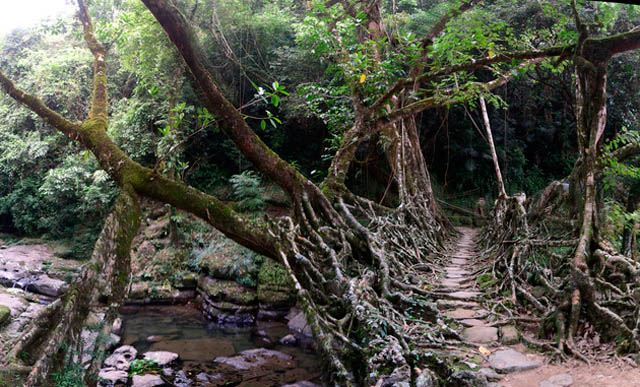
451, 285
480, 334
473, 322
459, 261
463, 314
464, 295
452, 289
456, 270
453, 304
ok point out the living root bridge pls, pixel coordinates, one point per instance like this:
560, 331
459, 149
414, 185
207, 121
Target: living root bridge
363, 288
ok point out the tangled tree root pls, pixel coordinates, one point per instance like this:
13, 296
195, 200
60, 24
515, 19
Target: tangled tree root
527, 252
365, 291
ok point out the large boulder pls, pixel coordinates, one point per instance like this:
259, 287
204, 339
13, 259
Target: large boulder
121, 358
224, 261
274, 286
228, 313
147, 381
509, 360
43, 284
139, 291
252, 358
110, 376
467, 379
229, 291
298, 323
162, 358
16, 304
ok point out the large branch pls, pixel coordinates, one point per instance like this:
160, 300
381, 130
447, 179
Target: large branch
99, 98
604, 47
626, 152
446, 97
37, 106
231, 121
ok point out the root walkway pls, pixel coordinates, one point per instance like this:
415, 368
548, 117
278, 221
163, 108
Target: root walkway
493, 350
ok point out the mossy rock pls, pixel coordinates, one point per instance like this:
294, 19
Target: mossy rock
5, 315
186, 281
274, 277
170, 254
229, 291
539, 291
275, 298
157, 229
139, 291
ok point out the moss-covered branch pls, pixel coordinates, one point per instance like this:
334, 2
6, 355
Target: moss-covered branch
99, 101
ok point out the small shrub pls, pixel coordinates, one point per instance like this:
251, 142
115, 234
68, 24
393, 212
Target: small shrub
70, 376
142, 366
248, 191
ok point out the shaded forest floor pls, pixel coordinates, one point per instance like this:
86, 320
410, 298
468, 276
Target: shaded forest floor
601, 374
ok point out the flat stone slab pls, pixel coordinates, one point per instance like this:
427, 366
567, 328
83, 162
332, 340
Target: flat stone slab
463, 295
562, 380
459, 261
450, 304
509, 360
472, 322
456, 275
461, 314
480, 334
111, 376
456, 269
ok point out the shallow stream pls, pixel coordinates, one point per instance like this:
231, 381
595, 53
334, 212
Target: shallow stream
185, 331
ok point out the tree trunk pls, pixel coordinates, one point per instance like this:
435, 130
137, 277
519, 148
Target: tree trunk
494, 156
107, 275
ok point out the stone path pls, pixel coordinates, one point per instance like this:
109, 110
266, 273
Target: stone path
460, 300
